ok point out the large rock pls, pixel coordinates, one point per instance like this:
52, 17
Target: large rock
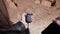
42, 15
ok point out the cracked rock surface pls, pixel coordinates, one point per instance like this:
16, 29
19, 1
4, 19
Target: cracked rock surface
42, 14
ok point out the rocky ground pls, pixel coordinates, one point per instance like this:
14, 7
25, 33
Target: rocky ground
43, 13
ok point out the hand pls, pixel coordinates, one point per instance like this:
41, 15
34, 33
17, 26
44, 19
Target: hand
23, 20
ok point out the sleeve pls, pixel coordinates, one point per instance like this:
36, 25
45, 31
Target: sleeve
18, 26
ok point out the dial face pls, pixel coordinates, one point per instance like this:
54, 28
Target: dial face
28, 18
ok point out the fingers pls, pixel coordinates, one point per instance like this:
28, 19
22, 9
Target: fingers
23, 20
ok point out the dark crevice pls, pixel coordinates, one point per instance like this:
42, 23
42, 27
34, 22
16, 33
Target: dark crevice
14, 3
53, 3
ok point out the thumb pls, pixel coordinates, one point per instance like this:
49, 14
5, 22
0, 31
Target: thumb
23, 19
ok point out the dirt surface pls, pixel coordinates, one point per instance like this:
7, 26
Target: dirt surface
43, 13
